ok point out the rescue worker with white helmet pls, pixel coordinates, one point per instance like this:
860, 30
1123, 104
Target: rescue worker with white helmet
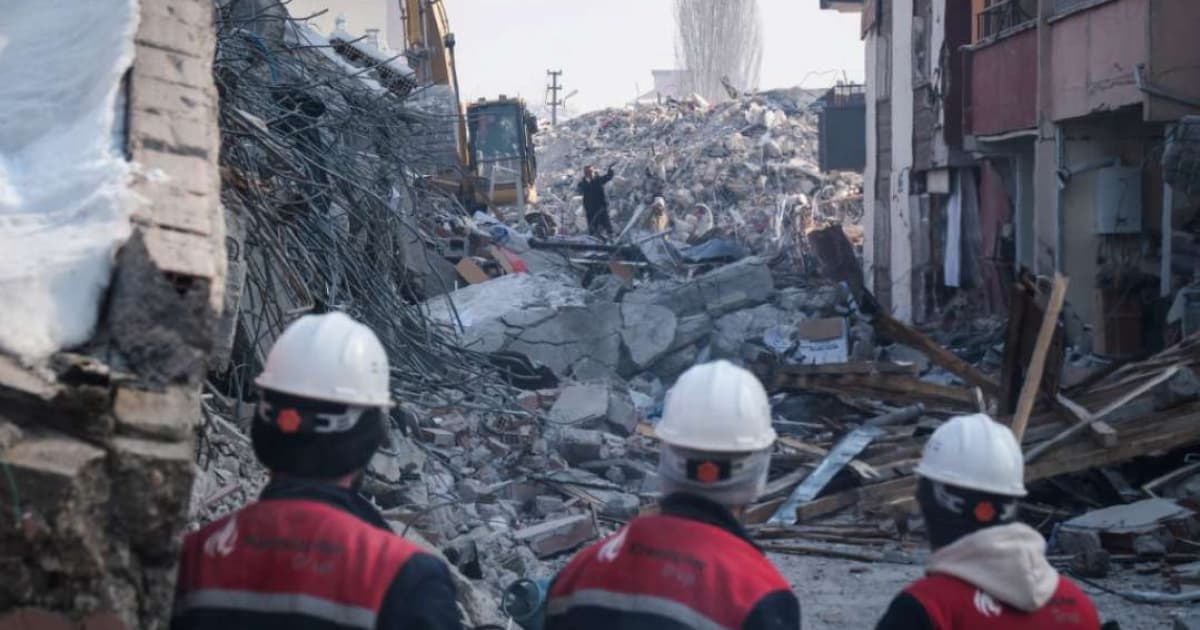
692, 565
312, 552
987, 570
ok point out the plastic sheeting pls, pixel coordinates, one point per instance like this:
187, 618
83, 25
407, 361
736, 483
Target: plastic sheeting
64, 203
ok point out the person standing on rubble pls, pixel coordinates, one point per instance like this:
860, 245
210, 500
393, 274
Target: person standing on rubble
312, 552
595, 202
692, 565
987, 571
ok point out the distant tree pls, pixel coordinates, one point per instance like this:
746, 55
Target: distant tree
719, 43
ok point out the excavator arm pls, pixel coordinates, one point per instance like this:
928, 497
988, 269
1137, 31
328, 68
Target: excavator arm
431, 50
495, 147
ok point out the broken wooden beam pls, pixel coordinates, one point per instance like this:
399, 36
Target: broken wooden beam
1091, 418
1033, 377
909, 336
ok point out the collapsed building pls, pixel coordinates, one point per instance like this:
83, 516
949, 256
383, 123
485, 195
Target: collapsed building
531, 363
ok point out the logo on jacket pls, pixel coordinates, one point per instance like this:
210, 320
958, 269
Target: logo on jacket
612, 547
986, 606
222, 541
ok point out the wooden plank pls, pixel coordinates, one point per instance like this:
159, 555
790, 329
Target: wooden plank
1167, 430
501, 259
1100, 431
880, 386
1033, 377
1038, 450
471, 272
900, 332
856, 367
1162, 431
1011, 369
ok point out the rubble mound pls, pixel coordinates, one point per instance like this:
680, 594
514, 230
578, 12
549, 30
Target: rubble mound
751, 161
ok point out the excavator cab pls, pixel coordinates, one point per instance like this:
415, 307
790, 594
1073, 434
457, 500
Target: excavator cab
500, 153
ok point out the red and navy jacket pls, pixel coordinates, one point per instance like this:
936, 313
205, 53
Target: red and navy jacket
310, 556
690, 567
943, 602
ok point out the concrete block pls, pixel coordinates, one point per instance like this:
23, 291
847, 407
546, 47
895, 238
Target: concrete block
558, 536
172, 67
582, 405
171, 414
152, 481
64, 497
622, 414
580, 445
159, 29
647, 333
621, 506
1148, 527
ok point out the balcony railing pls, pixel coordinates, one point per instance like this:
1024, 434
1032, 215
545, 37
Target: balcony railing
1001, 16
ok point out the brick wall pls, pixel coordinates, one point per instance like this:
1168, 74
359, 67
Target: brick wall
98, 443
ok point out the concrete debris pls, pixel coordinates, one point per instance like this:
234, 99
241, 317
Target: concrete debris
583, 405
1148, 528
558, 536
750, 163
581, 445
723, 290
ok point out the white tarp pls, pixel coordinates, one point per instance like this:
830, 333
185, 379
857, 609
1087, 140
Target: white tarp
64, 202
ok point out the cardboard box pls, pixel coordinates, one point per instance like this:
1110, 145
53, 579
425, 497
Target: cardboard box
822, 341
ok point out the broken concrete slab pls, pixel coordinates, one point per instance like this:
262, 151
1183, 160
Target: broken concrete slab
1151, 527
622, 415
495, 298
691, 330
560, 535
675, 362
647, 333
732, 331
621, 506
582, 405
812, 301
580, 341
723, 290
580, 445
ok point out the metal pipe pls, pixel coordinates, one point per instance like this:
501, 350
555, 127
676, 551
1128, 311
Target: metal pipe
1060, 147
1160, 92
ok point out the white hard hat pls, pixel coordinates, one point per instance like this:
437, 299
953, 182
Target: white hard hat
329, 357
977, 453
717, 407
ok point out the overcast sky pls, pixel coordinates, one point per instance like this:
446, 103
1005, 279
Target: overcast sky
607, 48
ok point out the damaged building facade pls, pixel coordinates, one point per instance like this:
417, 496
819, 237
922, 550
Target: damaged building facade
112, 283
1013, 133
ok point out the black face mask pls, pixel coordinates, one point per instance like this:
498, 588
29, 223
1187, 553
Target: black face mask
951, 512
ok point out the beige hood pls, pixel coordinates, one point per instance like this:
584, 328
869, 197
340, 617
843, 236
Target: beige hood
1007, 562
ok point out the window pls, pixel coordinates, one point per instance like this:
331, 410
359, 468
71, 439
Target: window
998, 16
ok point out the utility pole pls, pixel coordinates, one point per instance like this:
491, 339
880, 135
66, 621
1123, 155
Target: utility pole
552, 91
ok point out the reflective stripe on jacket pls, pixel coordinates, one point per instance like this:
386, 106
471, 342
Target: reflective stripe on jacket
690, 567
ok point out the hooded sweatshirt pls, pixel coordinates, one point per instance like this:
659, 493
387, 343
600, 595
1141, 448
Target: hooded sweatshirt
996, 577
1007, 562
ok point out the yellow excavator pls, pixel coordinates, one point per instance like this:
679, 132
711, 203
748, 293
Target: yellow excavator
496, 162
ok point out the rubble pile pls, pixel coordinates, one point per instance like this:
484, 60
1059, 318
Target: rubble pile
751, 161
531, 369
